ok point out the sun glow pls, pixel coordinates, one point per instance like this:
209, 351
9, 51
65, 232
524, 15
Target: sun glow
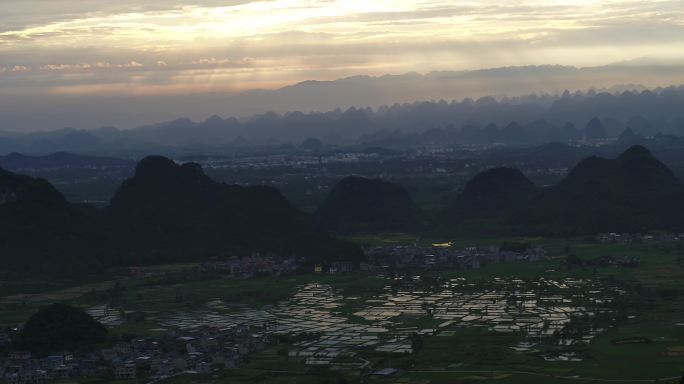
286, 41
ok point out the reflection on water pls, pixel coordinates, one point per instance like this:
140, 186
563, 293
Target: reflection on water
565, 313
106, 315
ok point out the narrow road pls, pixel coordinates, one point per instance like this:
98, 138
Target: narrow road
578, 378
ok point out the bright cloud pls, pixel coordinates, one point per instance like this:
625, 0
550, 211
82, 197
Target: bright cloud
180, 45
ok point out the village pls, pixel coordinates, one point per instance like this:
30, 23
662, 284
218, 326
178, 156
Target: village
200, 351
445, 256
637, 238
378, 260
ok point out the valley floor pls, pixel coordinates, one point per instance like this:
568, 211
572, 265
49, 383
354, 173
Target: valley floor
621, 325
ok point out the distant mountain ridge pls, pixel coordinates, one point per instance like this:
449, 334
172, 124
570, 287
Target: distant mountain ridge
92, 110
532, 119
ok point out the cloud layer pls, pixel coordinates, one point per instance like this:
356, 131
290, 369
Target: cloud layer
76, 46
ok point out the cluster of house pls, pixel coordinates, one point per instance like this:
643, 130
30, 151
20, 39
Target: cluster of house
380, 258
615, 261
628, 238
335, 267
270, 265
21, 367
201, 351
289, 160
254, 265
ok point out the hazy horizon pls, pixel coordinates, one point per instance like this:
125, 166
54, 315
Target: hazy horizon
46, 112
96, 63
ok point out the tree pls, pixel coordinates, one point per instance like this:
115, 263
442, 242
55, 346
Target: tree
573, 261
416, 342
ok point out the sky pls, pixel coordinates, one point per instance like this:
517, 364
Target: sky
178, 47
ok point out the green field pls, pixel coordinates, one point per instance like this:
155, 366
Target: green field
463, 355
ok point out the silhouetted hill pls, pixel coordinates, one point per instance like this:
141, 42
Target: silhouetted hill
37, 225
178, 210
29, 202
632, 192
635, 172
362, 204
628, 137
595, 130
165, 212
492, 193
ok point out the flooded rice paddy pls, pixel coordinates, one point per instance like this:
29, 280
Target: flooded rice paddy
331, 326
